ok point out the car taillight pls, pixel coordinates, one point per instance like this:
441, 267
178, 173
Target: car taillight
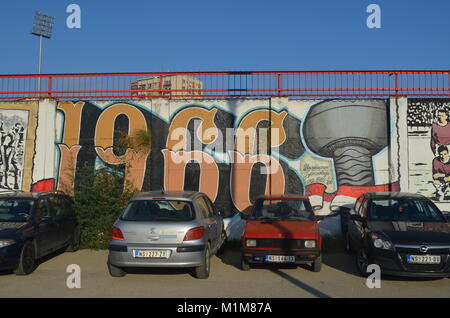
194, 234
116, 234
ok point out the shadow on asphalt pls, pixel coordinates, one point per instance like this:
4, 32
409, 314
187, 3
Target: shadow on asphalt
6, 272
232, 256
40, 261
302, 285
51, 255
342, 262
157, 271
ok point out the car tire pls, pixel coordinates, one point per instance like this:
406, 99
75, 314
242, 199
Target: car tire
362, 261
115, 271
317, 264
74, 241
27, 262
245, 266
202, 272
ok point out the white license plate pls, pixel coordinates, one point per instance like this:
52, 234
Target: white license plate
424, 259
151, 253
280, 258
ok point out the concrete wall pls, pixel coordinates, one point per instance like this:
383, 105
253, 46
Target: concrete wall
330, 150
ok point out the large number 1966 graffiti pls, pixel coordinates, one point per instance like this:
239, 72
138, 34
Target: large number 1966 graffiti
233, 156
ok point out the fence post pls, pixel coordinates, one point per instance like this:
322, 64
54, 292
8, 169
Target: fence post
49, 86
279, 84
396, 84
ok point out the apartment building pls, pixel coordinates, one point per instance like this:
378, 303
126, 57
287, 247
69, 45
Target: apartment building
172, 85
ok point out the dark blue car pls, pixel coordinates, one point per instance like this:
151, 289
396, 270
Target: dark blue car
33, 225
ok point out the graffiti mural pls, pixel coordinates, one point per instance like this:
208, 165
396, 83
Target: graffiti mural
13, 125
17, 131
429, 146
233, 151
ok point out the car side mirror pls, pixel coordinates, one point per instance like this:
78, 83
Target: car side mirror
243, 216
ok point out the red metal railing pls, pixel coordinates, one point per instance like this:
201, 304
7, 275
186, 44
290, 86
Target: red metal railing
296, 84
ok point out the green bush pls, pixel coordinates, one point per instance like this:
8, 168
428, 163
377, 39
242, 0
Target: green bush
99, 200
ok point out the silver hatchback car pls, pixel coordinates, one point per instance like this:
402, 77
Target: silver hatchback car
166, 229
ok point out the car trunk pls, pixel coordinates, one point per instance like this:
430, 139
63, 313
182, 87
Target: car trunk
154, 232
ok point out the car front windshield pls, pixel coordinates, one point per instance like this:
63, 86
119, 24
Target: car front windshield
158, 210
15, 210
283, 209
414, 210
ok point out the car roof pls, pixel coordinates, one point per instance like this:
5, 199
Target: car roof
28, 195
282, 196
393, 195
167, 195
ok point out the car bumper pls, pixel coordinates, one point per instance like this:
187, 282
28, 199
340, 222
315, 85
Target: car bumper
415, 274
259, 256
180, 256
395, 264
9, 257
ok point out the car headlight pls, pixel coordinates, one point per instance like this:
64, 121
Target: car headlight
381, 242
251, 243
310, 243
4, 243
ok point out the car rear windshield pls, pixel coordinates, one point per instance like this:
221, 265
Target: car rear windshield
15, 210
158, 210
415, 210
283, 209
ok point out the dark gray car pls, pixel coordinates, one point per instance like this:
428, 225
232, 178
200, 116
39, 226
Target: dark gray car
33, 225
166, 229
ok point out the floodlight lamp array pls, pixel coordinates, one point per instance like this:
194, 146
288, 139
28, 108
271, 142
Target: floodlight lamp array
43, 25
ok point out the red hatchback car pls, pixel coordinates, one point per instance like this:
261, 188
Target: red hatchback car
281, 229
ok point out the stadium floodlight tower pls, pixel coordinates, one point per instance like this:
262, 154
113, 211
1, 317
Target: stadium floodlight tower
42, 27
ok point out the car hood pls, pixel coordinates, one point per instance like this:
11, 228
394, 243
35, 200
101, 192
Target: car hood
9, 229
281, 229
413, 232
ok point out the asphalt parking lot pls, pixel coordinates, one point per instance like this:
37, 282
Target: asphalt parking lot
338, 278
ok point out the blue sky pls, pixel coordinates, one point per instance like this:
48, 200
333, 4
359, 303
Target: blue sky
210, 35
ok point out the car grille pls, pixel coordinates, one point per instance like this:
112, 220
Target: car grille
443, 251
285, 244
403, 249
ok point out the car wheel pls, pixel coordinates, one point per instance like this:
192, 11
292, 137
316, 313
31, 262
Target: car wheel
362, 261
115, 271
317, 264
75, 241
202, 272
27, 262
245, 266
